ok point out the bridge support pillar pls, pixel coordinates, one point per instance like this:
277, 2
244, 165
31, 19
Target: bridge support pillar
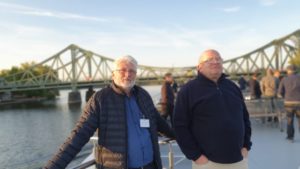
74, 97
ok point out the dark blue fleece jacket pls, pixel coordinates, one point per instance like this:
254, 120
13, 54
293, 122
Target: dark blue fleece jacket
211, 119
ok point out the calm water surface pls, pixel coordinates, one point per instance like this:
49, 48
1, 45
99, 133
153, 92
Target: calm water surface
30, 133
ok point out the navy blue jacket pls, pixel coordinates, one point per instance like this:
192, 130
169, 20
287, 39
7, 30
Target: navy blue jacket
211, 119
105, 111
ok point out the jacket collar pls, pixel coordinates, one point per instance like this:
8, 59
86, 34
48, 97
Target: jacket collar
200, 76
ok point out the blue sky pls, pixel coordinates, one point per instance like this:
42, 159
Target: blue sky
156, 33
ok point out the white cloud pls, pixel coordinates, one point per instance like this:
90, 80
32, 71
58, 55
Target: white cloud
25, 10
267, 2
154, 46
14, 6
22, 43
61, 15
151, 46
232, 9
178, 46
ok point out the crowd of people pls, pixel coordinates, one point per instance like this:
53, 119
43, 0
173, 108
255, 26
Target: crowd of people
209, 118
273, 86
266, 87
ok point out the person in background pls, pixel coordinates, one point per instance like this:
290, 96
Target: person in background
289, 89
167, 97
254, 87
127, 121
277, 80
268, 89
175, 86
242, 83
89, 93
211, 121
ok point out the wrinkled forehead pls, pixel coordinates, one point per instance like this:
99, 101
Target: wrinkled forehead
126, 64
210, 54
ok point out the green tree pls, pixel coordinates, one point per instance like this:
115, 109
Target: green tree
16, 73
296, 59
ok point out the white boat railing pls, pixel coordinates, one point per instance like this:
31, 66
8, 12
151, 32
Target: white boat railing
85, 164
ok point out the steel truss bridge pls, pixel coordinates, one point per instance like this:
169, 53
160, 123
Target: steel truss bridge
75, 67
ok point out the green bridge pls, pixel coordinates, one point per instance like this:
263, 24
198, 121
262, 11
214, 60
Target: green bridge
75, 67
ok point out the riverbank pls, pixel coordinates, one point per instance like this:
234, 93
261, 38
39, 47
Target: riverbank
22, 100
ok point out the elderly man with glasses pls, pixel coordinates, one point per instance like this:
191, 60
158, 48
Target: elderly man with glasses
127, 124
211, 120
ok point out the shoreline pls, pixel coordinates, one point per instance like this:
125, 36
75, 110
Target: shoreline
22, 100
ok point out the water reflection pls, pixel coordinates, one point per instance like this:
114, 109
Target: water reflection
31, 132
74, 107
28, 105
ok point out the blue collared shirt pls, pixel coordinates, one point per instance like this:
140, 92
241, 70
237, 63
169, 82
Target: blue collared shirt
140, 148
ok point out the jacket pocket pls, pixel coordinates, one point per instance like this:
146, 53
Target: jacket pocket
108, 158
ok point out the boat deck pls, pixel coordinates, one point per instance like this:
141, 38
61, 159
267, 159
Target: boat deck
270, 149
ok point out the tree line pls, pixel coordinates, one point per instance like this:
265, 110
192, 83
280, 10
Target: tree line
37, 70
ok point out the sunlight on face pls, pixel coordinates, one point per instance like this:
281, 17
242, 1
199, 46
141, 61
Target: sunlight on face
210, 64
125, 74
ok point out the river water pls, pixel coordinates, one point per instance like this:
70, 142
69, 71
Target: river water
30, 133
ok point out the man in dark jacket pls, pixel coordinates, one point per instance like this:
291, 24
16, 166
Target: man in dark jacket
289, 89
254, 87
127, 124
211, 121
89, 93
167, 97
242, 83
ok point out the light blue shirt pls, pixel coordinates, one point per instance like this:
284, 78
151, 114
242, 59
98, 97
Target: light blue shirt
140, 148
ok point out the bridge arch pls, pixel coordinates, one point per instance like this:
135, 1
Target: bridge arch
75, 67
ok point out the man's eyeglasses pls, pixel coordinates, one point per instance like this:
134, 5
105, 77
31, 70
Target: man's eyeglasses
123, 71
213, 60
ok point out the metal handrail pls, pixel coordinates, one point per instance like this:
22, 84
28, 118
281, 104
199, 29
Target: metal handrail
169, 141
85, 165
91, 162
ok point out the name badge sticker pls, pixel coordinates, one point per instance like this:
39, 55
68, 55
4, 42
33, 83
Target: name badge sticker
144, 123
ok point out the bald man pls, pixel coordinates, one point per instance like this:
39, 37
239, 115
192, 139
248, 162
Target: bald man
211, 120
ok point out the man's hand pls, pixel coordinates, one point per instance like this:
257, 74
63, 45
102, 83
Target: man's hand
201, 160
244, 152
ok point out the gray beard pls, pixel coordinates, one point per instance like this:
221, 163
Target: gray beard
127, 86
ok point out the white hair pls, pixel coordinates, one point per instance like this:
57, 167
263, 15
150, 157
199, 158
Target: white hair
127, 59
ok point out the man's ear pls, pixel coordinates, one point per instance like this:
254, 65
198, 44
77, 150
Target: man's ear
199, 66
112, 74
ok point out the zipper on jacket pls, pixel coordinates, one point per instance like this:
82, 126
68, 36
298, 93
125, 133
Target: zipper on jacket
218, 89
126, 130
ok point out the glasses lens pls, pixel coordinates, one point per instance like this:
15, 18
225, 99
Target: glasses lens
214, 60
123, 71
